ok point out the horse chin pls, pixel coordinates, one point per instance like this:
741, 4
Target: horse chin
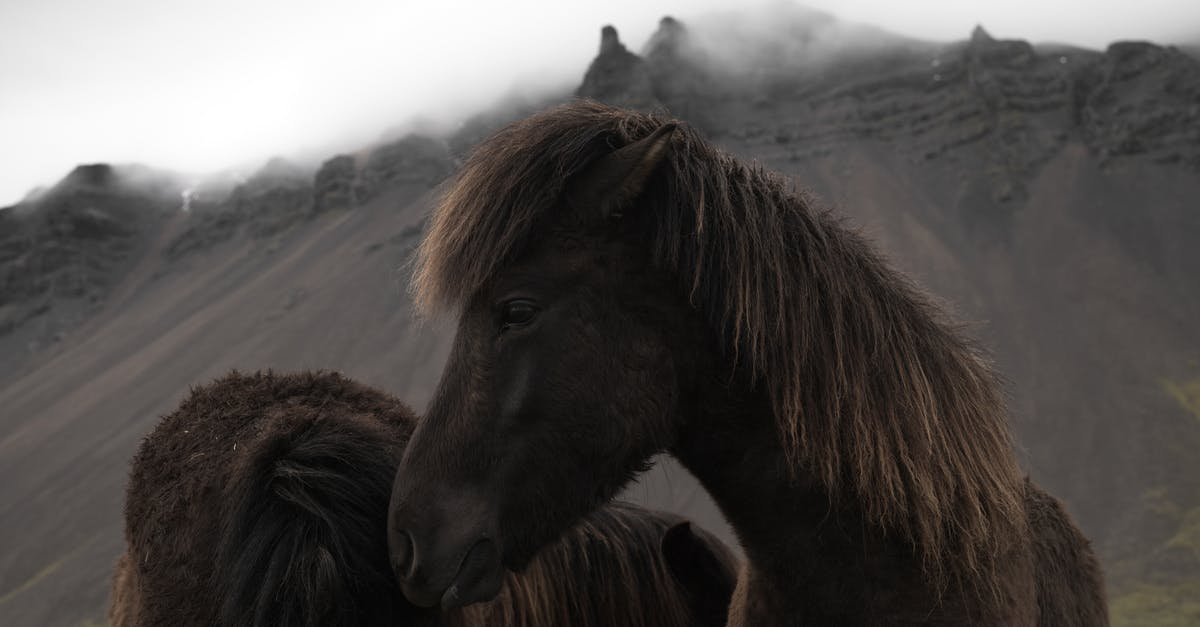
479, 577
476, 578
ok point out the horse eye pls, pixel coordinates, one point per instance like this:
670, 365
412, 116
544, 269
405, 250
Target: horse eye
517, 312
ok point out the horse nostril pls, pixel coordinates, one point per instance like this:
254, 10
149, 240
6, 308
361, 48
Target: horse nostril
403, 554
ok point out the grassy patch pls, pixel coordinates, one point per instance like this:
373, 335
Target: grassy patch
32, 581
1186, 393
1177, 605
1188, 536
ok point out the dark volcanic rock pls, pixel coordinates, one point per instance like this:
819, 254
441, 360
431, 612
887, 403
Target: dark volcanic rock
278, 196
282, 195
618, 76
1139, 98
414, 159
672, 73
61, 254
90, 175
333, 185
680, 75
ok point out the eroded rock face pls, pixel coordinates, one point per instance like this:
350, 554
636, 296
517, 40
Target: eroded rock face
1134, 98
681, 74
282, 195
618, 76
333, 185
61, 253
278, 196
413, 159
1141, 99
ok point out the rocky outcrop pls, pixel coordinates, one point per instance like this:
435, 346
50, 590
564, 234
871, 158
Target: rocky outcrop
277, 196
333, 185
1018, 103
61, 253
282, 195
413, 159
1141, 99
682, 74
618, 76
1006, 100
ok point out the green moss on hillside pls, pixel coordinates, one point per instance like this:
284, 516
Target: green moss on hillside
1186, 393
1176, 605
1188, 536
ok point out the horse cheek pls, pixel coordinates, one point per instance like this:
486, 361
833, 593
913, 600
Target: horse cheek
513, 395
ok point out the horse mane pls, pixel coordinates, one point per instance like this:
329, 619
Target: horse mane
873, 390
618, 545
304, 539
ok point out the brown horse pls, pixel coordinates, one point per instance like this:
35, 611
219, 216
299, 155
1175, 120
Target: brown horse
624, 288
262, 500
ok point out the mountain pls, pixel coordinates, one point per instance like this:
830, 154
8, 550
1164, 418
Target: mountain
1045, 193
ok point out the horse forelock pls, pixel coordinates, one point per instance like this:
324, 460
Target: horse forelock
873, 390
504, 192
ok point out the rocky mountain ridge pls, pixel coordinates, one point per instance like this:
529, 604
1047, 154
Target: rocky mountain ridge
63, 250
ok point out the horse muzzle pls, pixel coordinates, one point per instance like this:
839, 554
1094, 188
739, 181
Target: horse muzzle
474, 576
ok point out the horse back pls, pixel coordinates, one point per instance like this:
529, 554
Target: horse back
1070, 583
262, 500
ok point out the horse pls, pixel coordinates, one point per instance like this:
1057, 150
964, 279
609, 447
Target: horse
623, 288
262, 500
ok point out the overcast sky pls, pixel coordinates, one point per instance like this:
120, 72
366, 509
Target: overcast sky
200, 85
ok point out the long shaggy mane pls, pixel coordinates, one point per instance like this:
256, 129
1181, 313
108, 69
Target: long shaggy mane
873, 390
618, 544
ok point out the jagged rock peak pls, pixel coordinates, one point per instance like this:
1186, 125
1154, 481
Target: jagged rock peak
610, 42
980, 36
333, 185
616, 75
279, 170
105, 180
1132, 57
91, 175
669, 37
670, 26
989, 51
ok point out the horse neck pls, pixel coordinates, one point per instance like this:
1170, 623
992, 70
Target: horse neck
811, 559
733, 448
811, 556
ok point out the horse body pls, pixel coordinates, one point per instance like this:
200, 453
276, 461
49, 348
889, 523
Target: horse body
812, 560
251, 504
623, 289
262, 501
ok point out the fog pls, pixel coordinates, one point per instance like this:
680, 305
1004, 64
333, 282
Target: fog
197, 86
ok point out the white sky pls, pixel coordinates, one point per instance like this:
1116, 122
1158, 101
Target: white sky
200, 85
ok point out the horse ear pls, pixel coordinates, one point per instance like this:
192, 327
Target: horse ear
701, 566
619, 177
